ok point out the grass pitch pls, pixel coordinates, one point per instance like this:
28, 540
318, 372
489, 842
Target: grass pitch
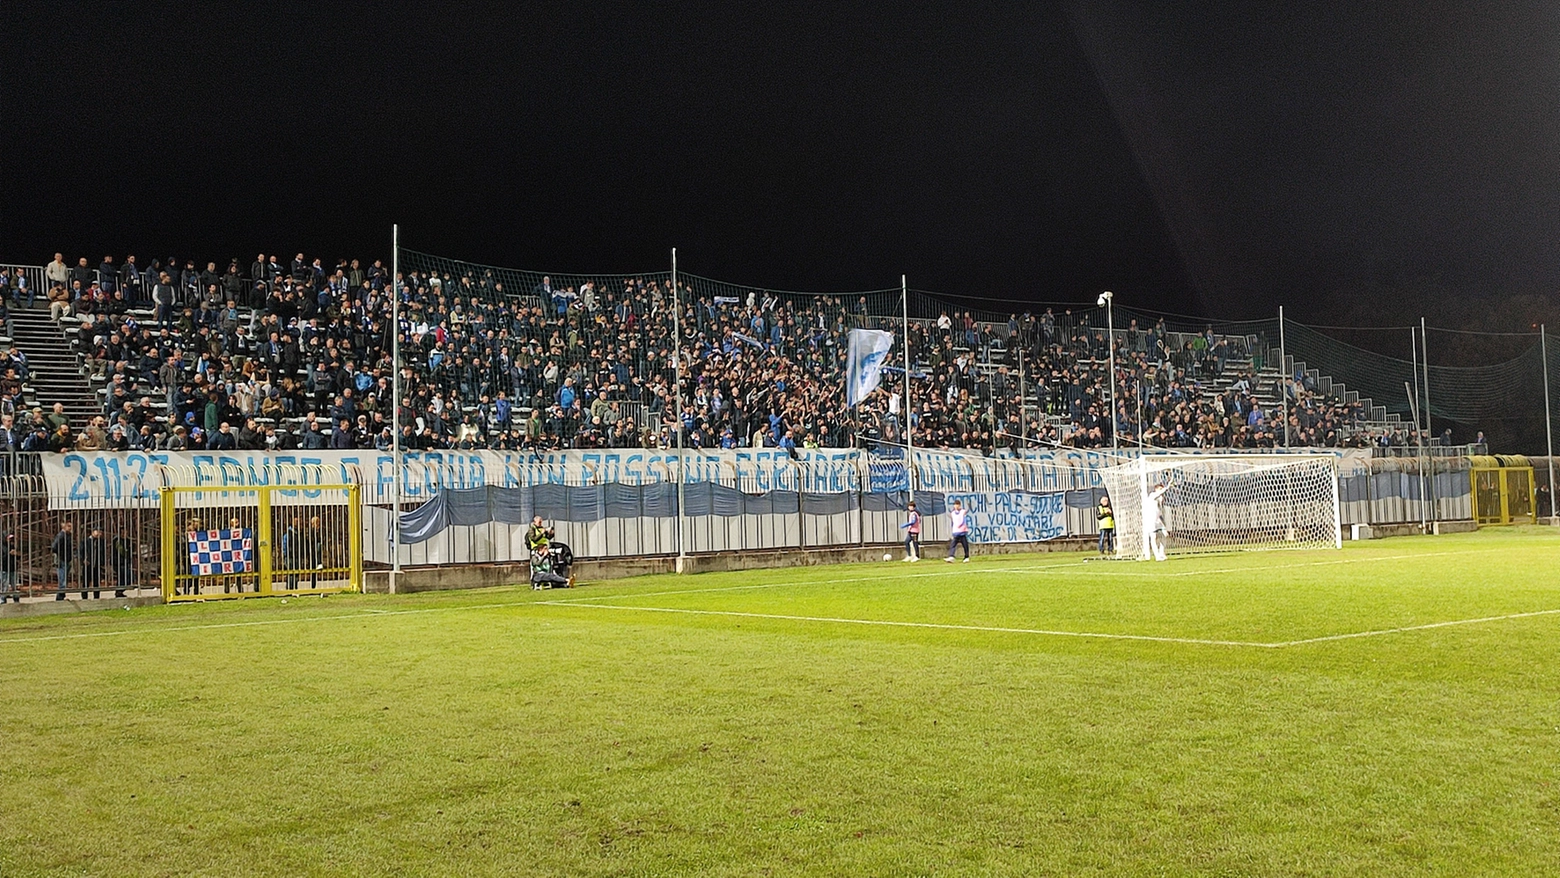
1391, 709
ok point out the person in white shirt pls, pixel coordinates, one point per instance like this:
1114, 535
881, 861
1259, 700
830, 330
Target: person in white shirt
959, 531
912, 529
1154, 525
57, 273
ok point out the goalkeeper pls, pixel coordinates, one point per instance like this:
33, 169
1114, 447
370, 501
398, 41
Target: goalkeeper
1154, 521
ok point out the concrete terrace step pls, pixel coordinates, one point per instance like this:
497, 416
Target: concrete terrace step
55, 373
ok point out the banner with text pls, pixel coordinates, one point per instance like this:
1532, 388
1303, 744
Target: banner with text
1014, 516
79, 479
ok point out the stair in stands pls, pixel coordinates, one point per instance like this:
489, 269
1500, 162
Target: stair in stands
55, 373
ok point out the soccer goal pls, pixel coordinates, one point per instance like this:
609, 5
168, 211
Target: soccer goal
1180, 503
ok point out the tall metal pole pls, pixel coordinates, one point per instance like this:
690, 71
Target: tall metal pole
1110, 338
1413, 352
1549, 439
1424, 364
395, 405
1139, 403
682, 552
1283, 377
1023, 405
1424, 350
1413, 359
904, 302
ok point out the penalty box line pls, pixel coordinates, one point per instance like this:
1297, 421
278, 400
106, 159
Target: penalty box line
1425, 627
1048, 632
888, 623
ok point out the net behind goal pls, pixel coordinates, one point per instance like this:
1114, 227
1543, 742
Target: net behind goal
1192, 503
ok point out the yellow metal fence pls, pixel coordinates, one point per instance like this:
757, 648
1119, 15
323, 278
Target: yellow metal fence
1503, 495
260, 541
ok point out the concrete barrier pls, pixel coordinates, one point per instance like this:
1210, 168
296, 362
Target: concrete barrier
1455, 527
52, 607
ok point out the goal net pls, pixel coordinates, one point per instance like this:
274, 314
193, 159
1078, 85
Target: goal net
1203, 503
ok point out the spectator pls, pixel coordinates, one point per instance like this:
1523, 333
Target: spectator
64, 549
59, 302
57, 273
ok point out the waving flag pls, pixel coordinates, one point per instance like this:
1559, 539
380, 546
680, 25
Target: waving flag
863, 368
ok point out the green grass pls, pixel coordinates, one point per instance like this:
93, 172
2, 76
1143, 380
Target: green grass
508, 732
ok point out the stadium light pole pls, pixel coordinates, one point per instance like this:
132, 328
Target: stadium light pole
1138, 401
1413, 360
1413, 409
395, 404
1424, 342
1414, 353
1110, 343
1549, 439
682, 553
1023, 405
904, 305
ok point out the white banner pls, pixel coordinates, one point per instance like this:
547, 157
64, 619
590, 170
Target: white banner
1014, 516
135, 478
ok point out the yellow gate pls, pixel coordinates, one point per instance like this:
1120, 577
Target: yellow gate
1502, 490
259, 541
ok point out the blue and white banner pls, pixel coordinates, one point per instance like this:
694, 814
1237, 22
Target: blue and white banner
221, 551
887, 476
864, 364
1014, 516
105, 479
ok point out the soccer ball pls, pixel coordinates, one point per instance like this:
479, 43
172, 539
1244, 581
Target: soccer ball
888, 556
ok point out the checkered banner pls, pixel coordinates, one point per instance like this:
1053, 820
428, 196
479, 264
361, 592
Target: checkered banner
221, 551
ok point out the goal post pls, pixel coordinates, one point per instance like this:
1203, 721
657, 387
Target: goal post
1182, 503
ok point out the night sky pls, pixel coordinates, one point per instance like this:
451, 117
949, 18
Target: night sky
1352, 161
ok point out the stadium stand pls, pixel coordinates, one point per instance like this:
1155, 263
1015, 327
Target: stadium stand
286, 354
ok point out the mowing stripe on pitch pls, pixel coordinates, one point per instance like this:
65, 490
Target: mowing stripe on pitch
337, 617
1095, 635
1061, 567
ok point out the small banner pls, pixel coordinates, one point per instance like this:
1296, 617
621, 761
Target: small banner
887, 476
1014, 516
221, 551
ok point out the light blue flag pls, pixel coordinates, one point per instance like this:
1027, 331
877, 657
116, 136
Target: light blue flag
864, 364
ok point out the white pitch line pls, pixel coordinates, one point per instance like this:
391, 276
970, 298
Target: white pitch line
842, 581
936, 625
1097, 635
579, 602
1333, 562
1425, 627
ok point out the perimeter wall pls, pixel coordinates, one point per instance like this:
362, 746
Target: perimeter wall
473, 507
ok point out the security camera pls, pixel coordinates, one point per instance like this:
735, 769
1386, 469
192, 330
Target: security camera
1104, 297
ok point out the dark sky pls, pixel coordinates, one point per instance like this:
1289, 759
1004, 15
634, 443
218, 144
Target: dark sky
1205, 158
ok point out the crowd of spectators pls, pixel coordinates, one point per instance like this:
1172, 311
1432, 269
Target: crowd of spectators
288, 354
